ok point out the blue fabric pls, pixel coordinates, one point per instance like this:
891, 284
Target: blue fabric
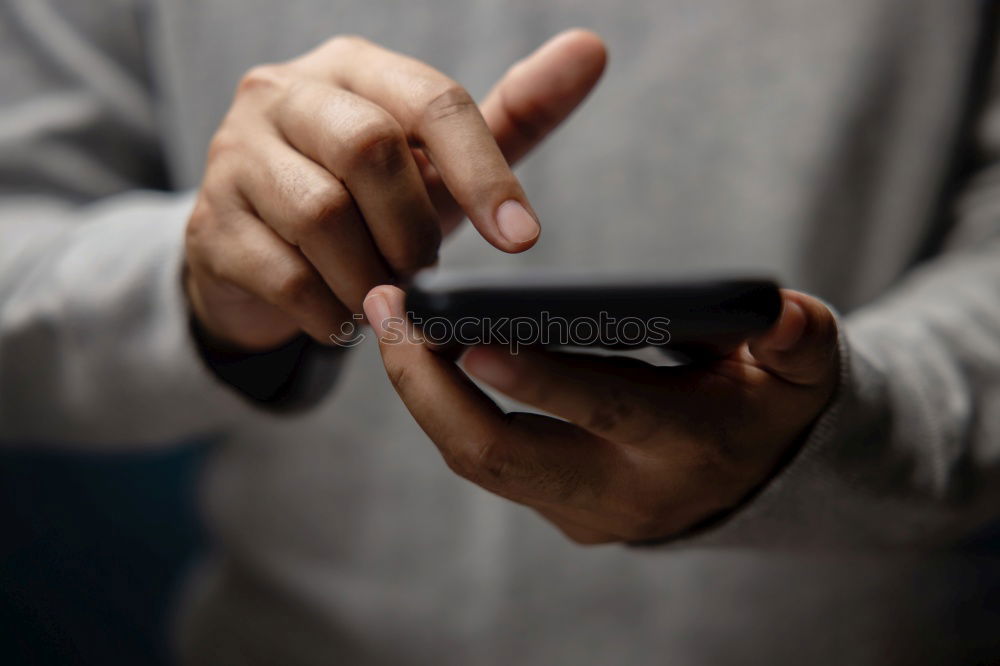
92, 550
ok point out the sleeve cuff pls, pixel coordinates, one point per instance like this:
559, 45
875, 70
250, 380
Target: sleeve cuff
97, 342
288, 379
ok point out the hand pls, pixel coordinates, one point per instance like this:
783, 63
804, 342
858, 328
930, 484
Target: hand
342, 169
644, 452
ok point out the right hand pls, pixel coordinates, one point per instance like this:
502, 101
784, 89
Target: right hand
342, 170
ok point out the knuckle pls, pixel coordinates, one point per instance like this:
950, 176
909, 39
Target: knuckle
615, 409
223, 144
531, 119
714, 456
492, 463
710, 460
197, 230
410, 257
607, 414
344, 42
443, 102
319, 205
398, 377
483, 462
261, 78
202, 247
293, 286
379, 143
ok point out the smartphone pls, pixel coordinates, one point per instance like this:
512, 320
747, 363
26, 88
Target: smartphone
694, 316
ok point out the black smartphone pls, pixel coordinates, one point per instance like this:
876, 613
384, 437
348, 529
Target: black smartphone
697, 317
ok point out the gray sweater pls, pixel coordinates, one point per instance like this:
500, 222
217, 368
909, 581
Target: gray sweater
808, 139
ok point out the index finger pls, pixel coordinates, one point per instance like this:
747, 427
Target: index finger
442, 119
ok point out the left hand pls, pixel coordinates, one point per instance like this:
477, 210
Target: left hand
643, 452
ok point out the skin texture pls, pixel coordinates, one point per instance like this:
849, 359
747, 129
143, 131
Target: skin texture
343, 169
638, 452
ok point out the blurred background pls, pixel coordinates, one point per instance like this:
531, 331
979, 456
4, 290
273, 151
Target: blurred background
95, 548
93, 552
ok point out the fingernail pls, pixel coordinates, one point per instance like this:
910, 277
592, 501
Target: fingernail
516, 223
493, 366
378, 312
793, 325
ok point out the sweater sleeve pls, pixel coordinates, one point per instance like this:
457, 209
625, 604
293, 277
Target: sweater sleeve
908, 453
96, 345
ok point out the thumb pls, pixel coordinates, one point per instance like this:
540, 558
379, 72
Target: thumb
539, 92
801, 347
